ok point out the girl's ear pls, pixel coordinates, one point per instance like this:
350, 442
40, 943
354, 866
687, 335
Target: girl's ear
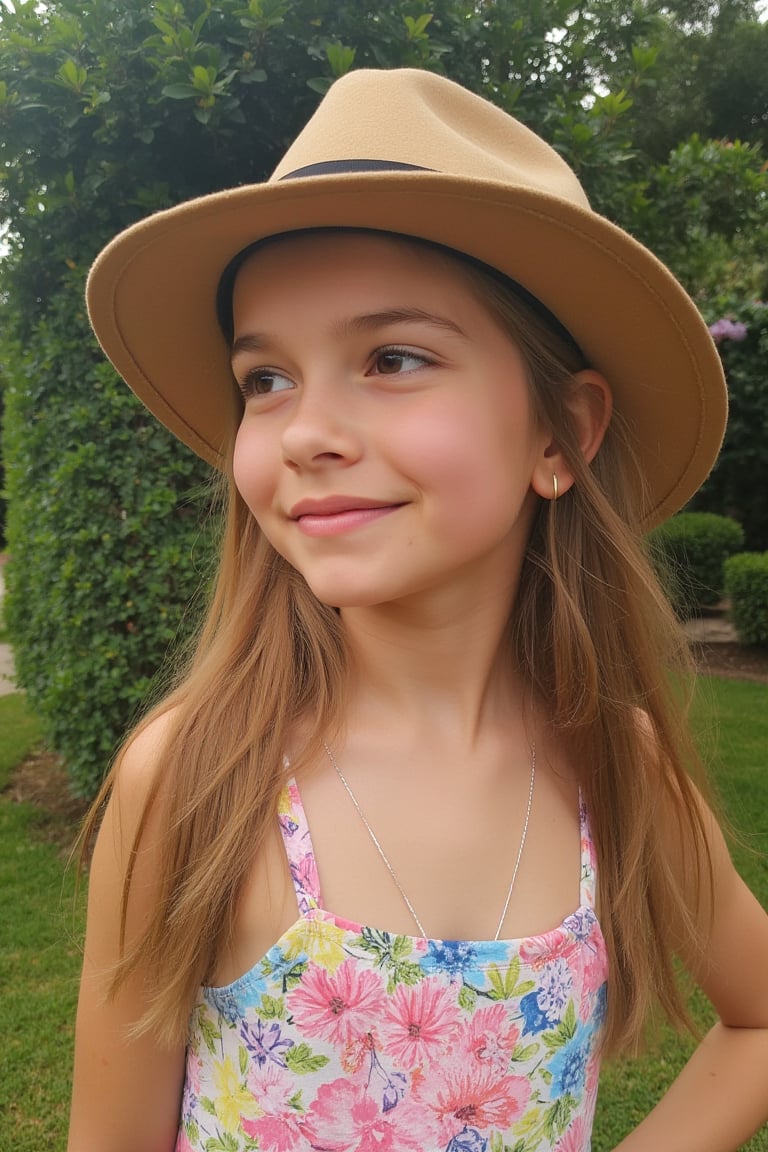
591, 405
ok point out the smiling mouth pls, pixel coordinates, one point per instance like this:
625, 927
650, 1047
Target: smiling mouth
333, 518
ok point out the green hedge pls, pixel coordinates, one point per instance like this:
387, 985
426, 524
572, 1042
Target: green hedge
107, 538
733, 488
746, 583
689, 551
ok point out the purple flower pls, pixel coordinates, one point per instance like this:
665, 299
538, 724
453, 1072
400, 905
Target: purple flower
468, 1140
554, 989
265, 1043
725, 329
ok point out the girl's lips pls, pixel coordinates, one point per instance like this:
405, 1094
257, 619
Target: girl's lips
336, 523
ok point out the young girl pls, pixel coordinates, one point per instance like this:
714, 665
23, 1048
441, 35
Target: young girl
415, 840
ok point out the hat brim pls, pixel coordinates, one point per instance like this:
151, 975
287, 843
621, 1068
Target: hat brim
152, 302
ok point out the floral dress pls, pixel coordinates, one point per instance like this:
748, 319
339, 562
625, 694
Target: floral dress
344, 1037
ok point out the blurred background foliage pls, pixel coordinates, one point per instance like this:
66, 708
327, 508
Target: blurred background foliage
117, 108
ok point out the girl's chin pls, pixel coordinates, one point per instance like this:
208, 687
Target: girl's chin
349, 596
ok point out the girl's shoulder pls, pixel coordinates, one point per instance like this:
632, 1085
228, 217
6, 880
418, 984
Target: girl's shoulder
137, 771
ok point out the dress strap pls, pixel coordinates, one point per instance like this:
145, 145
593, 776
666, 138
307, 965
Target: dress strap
298, 848
588, 885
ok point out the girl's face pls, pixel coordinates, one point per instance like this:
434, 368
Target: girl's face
388, 441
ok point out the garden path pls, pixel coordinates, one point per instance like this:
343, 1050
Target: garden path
6, 655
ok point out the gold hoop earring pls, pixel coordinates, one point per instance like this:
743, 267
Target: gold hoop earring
555, 486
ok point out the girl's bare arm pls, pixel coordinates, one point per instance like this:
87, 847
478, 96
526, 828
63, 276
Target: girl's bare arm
126, 1093
721, 1097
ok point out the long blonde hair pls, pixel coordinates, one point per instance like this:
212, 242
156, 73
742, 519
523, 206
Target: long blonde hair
592, 633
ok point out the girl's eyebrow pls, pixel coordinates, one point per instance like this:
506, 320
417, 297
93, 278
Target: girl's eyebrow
372, 320
367, 322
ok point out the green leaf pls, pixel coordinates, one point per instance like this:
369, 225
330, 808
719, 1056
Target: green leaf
523, 988
208, 1105
301, 1060
401, 947
72, 75
503, 983
522, 1053
557, 1117
340, 58
417, 26
221, 1142
319, 84
406, 972
569, 1021
644, 56
555, 1040
242, 1055
467, 998
210, 1033
271, 1007
179, 91
203, 78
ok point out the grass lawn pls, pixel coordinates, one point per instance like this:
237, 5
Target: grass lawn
39, 959
39, 962
739, 758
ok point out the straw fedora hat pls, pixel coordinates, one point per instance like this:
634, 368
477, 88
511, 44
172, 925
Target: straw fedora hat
410, 152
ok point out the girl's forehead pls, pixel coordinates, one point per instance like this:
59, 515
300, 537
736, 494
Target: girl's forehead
351, 270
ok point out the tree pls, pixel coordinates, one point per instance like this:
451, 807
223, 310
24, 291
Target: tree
709, 79
116, 108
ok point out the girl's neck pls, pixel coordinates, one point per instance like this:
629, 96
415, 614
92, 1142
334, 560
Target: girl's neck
439, 670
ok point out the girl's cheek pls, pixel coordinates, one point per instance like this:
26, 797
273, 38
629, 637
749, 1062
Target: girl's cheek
250, 471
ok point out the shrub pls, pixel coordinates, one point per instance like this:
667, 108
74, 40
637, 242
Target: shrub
107, 535
108, 112
746, 583
734, 488
2, 481
689, 551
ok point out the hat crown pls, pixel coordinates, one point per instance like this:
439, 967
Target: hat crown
416, 118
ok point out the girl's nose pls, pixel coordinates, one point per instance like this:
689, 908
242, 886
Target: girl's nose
321, 431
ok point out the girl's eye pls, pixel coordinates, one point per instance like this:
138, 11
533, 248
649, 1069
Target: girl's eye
397, 361
263, 382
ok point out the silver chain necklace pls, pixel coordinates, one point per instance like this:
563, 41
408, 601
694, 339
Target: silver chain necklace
391, 870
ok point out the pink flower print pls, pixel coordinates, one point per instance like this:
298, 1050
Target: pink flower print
540, 950
343, 1116
277, 1133
194, 1068
595, 966
592, 1081
420, 1020
279, 1130
304, 872
271, 1085
339, 1007
182, 1142
576, 1138
461, 1095
491, 1037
